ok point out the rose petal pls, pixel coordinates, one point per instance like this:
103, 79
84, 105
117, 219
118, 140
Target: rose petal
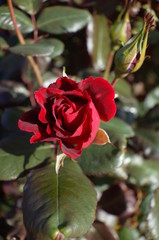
29, 122
70, 150
65, 84
102, 94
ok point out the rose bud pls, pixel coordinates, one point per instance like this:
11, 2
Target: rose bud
131, 56
121, 30
69, 113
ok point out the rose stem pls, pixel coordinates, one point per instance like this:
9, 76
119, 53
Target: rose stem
35, 27
22, 41
114, 81
109, 64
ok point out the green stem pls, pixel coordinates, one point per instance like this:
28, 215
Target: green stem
109, 64
22, 41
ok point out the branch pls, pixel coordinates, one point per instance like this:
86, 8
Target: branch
22, 41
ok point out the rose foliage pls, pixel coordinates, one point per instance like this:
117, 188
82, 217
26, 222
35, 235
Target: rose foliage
70, 113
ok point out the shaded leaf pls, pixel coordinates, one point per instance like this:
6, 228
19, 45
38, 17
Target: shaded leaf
24, 23
63, 203
127, 233
61, 19
153, 217
30, 6
98, 41
17, 155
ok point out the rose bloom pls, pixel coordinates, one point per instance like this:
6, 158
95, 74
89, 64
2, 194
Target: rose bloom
70, 113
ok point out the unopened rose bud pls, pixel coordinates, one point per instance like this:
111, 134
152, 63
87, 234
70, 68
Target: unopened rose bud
121, 30
131, 56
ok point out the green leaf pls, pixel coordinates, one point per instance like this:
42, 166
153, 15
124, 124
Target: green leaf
98, 41
143, 172
33, 49
30, 6
127, 233
54, 204
17, 155
61, 19
57, 45
105, 159
24, 23
153, 217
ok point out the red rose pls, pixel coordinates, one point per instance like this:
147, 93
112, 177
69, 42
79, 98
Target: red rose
70, 113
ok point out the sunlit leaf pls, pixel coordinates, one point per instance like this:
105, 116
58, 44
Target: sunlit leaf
30, 6
98, 41
23, 21
61, 19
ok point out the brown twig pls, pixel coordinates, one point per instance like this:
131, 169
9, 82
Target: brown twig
22, 41
35, 27
114, 82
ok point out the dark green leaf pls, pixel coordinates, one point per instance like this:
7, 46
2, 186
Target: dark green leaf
98, 41
17, 155
30, 6
127, 233
24, 23
153, 217
60, 19
30, 49
63, 203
